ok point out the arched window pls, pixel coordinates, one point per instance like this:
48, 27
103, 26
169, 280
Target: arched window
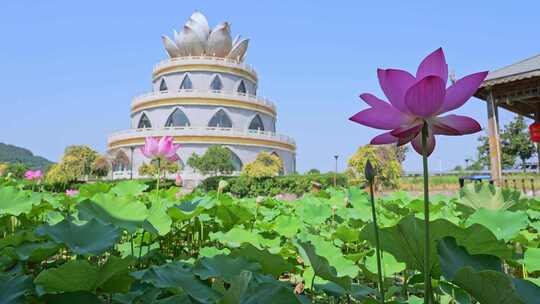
163, 85
237, 162
177, 119
120, 162
186, 83
242, 87
216, 84
256, 123
221, 120
144, 122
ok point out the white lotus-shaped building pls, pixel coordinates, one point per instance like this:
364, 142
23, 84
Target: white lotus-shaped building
196, 39
202, 95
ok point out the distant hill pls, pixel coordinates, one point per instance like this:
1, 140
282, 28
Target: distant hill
14, 154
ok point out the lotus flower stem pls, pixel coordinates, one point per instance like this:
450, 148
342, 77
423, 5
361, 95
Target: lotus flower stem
377, 242
427, 269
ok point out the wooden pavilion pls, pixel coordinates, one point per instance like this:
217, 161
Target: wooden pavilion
515, 88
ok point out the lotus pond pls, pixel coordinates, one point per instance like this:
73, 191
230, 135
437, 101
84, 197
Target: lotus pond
123, 244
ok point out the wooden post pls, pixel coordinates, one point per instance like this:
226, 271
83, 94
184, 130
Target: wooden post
494, 141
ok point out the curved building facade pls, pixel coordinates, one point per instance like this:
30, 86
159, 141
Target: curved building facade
203, 95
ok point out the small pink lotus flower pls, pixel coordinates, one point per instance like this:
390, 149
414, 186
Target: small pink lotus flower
33, 175
178, 180
72, 192
162, 148
418, 100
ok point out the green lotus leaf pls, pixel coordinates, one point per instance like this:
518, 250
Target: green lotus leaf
88, 190
357, 291
313, 212
239, 286
190, 209
123, 212
527, 291
129, 188
479, 195
36, 252
232, 214
480, 275
321, 267
269, 293
346, 234
273, 264
287, 226
79, 297
389, 264
223, 267
13, 289
531, 259
503, 223
178, 274
212, 251
236, 237
158, 222
79, 275
405, 241
15, 202
333, 254
92, 237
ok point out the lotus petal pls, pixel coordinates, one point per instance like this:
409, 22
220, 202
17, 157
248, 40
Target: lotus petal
454, 125
417, 143
426, 97
407, 131
380, 116
177, 38
239, 50
395, 84
219, 42
433, 65
201, 24
458, 93
190, 43
170, 47
384, 139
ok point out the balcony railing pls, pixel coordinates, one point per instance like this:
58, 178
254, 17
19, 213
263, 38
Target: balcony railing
199, 131
151, 96
228, 62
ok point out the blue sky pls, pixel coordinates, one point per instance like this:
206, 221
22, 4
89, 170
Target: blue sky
68, 69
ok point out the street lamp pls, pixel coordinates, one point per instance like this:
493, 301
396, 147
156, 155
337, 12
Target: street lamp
335, 171
131, 162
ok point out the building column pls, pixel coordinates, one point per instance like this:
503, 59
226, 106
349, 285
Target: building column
494, 140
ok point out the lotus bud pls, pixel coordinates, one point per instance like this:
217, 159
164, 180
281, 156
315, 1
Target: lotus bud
222, 185
178, 180
369, 172
259, 199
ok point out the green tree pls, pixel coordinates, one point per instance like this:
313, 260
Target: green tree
265, 165
76, 163
216, 160
101, 166
515, 143
314, 171
384, 160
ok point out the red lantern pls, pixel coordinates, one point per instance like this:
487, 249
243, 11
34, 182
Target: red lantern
534, 129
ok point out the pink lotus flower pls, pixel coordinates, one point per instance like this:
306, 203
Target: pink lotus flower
72, 192
420, 99
33, 175
162, 148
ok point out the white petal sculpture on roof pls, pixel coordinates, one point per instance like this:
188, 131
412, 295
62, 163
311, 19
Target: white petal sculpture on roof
219, 42
170, 47
239, 49
196, 39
